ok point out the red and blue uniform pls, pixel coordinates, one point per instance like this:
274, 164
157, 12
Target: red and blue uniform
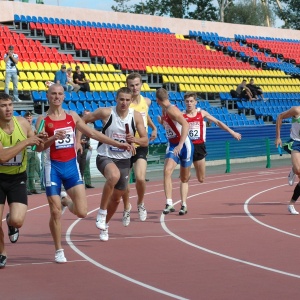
61, 166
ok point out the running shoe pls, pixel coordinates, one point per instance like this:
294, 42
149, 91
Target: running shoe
2, 261
291, 177
101, 221
126, 216
292, 210
142, 212
63, 195
13, 233
183, 210
104, 235
169, 208
60, 256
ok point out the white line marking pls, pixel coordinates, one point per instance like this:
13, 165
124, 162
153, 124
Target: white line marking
44, 263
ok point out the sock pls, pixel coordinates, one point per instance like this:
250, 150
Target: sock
183, 204
170, 202
102, 212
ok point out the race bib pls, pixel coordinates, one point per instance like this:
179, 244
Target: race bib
169, 131
120, 137
194, 130
68, 141
15, 161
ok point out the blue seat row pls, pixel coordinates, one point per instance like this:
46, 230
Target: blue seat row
39, 19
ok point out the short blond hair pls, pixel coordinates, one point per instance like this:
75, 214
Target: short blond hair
162, 94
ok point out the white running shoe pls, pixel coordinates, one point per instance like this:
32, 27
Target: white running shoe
126, 216
60, 256
142, 212
101, 221
292, 210
291, 177
104, 234
63, 195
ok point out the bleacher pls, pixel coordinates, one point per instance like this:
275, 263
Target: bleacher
202, 62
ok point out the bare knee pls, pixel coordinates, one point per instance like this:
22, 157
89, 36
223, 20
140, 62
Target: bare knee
201, 179
16, 222
112, 180
81, 214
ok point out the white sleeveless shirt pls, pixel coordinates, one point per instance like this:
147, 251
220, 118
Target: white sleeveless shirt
295, 130
115, 129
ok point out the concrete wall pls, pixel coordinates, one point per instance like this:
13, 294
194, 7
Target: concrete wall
8, 9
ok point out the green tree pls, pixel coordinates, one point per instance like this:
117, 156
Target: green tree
205, 10
289, 12
121, 6
250, 13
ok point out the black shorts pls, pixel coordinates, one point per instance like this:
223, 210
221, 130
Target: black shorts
141, 152
13, 187
122, 164
199, 152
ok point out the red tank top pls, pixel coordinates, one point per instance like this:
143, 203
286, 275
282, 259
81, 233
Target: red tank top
197, 128
173, 129
62, 150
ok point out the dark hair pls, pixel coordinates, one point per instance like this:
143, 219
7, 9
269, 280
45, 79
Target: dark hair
4, 96
132, 76
28, 114
190, 94
124, 90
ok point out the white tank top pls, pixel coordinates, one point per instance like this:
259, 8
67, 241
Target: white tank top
115, 129
295, 130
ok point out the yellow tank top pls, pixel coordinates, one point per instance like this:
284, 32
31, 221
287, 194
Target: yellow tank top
143, 108
18, 163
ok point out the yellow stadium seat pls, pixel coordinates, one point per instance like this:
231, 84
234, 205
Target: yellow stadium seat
122, 84
111, 77
123, 77
34, 86
99, 77
117, 77
86, 68
92, 87
182, 87
110, 87
54, 67
92, 77
175, 70
116, 86
19, 66
154, 70
187, 79
97, 86
26, 66
42, 86
99, 68
165, 69
37, 76
171, 79
20, 86
145, 87
165, 79
30, 76
93, 68
2, 77
45, 76
2, 65
103, 86
148, 70
105, 68
40, 66
105, 77
51, 76
47, 66
26, 86
87, 77
160, 70
22, 76
2, 85
33, 66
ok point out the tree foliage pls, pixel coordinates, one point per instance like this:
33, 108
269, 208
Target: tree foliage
249, 13
290, 13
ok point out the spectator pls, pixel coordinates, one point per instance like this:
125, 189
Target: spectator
33, 162
61, 78
79, 78
76, 87
255, 90
243, 91
11, 60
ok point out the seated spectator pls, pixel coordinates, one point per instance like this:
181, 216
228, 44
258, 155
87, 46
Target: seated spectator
243, 91
76, 87
255, 90
79, 78
61, 78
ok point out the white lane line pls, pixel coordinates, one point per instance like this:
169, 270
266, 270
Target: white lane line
95, 263
261, 223
44, 263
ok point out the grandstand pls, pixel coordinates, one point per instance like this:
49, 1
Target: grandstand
180, 56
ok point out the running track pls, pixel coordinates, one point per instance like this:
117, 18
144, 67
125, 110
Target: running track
236, 242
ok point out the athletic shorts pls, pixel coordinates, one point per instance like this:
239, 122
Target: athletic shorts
199, 152
291, 145
185, 155
122, 164
141, 152
13, 187
58, 173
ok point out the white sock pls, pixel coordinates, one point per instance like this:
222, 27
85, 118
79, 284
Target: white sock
170, 202
183, 204
102, 212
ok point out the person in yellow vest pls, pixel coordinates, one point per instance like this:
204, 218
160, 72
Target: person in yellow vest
138, 161
15, 136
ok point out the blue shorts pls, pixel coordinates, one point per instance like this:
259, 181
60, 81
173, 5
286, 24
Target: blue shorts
58, 173
185, 157
291, 145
